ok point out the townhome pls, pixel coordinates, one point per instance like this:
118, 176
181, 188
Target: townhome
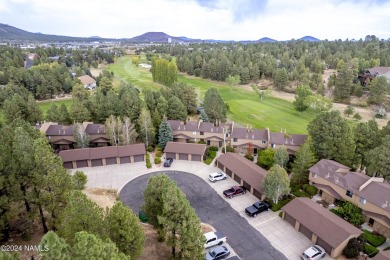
239, 138
97, 134
337, 182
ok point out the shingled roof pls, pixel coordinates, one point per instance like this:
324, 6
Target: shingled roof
325, 224
61, 130
245, 169
185, 148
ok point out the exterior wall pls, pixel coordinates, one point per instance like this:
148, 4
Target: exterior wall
355, 199
339, 250
328, 198
381, 228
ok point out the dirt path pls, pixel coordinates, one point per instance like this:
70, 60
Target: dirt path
65, 97
104, 198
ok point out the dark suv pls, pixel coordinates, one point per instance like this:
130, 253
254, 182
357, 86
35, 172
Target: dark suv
168, 162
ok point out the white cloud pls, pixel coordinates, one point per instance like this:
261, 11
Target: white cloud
236, 20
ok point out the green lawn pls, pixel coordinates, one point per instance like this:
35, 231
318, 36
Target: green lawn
245, 106
44, 105
124, 69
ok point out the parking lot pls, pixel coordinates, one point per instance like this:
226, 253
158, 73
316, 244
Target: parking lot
281, 235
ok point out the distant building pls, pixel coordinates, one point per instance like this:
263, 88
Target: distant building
29, 62
88, 82
374, 72
145, 66
169, 39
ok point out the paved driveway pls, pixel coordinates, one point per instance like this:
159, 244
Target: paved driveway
211, 208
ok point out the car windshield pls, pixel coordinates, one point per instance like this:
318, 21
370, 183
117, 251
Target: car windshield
213, 253
306, 256
319, 250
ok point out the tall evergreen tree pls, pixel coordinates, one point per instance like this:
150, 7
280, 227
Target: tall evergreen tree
162, 106
366, 137
281, 78
78, 112
34, 113
378, 89
304, 159
164, 133
332, 138
63, 115
123, 228
301, 93
343, 84
214, 106
130, 101
203, 116
57, 247
80, 214
176, 109
378, 159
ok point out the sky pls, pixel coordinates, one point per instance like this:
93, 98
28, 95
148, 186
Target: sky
202, 19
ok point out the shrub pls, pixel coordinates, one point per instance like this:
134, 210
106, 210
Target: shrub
147, 157
208, 161
300, 193
370, 250
212, 154
353, 248
158, 154
362, 103
229, 149
350, 213
159, 149
276, 207
150, 148
387, 248
281, 214
311, 190
157, 160
375, 240
304, 186
148, 165
201, 142
213, 148
79, 180
249, 156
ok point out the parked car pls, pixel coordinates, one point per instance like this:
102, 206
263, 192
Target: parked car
234, 191
257, 208
217, 176
168, 162
214, 238
313, 253
218, 252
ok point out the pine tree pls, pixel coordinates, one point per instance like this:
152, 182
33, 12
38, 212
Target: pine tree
343, 84
129, 101
276, 183
378, 159
332, 138
214, 106
176, 109
164, 133
34, 113
52, 114
281, 78
123, 228
378, 90
57, 247
80, 214
78, 112
63, 115
304, 159
203, 116
302, 92
162, 106
349, 110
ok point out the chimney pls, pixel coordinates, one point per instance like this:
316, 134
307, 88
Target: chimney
359, 169
98, 130
253, 136
184, 127
247, 128
212, 129
292, 141
59, 131
336, 179
232, 127
64, 131
200, 121
328, 175
364, 170
246, 135
178, 128
281, 130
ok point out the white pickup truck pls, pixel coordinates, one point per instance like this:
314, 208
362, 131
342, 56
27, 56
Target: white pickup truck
214, 238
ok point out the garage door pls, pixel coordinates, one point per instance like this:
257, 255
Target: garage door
196, 157
304, 230
96, 162
171, 155
125, 159
82, 163
68, 165
237, 178
247, 186
257, 194
229, 172
290, 220
183, 156
325, 245
139, 158
111, 160
220, 166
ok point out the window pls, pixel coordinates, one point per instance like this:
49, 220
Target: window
194, 133
273, 145
235, 139
201, 133
349, 193
363, 200
314, 175
263, 142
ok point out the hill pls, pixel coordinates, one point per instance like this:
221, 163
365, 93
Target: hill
266, 39
309, 39
160, 37
8, 32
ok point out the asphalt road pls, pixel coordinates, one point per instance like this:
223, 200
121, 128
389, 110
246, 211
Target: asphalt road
247, 242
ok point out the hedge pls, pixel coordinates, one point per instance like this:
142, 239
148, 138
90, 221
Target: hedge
229, 149
201, 142
157, 160
212, 154
213, 148
150, 148
370, 250
208, 161
158, 154
281, 203
158, 148
300, 193
375, 240
311, 190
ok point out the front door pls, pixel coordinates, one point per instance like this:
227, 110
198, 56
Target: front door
208, 142
371, 222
